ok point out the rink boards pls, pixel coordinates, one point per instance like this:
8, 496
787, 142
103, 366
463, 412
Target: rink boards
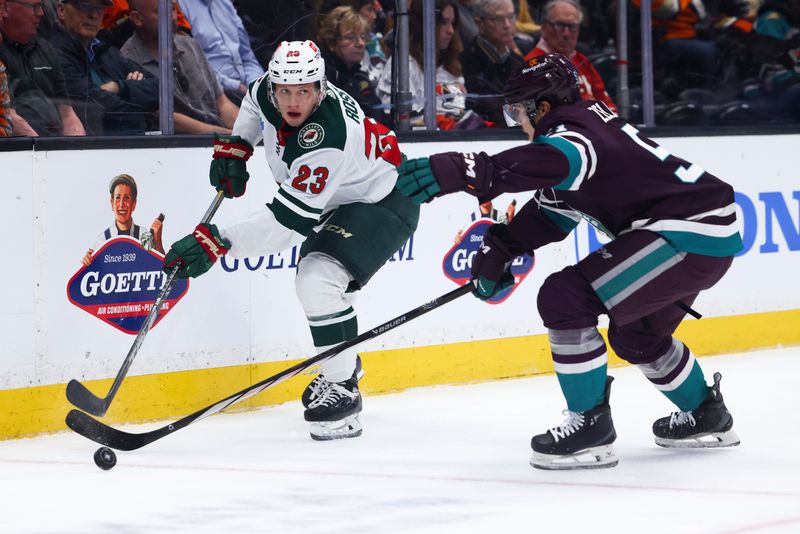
241, 322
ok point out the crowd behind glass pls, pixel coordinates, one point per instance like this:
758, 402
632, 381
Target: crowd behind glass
92, 67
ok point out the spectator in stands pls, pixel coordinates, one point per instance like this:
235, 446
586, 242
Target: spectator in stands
117, 26
688, 59
5, 100
218, 29
561, 26
36, 84
200, 103
449, 81
371, 10
113, 95
491, 57
342, 39
374, 56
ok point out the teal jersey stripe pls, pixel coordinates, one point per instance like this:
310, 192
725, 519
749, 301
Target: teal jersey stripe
638, 270
563, 222
573, 157
704, 244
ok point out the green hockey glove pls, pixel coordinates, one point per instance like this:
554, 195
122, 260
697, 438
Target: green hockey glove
229, 168
197, 252
417, 181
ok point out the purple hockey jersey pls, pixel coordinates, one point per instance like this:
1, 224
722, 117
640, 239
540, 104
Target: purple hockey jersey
588, 163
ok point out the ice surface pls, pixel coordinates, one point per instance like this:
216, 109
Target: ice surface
440, 459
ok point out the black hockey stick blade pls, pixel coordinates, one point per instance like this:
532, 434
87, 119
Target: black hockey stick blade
101, 433
84, 399
78, 395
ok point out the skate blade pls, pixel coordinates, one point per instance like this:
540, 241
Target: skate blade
600, 457
711, 440
349, 427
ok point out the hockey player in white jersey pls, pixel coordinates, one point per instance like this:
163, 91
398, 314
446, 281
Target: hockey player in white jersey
336, 170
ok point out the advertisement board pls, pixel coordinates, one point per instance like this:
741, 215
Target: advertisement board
245, 310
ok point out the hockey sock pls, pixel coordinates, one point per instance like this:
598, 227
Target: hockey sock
678, 375
581, 361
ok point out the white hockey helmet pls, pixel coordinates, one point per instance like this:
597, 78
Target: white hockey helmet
295, 63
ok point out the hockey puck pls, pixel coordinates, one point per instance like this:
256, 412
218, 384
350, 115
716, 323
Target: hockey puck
105, 458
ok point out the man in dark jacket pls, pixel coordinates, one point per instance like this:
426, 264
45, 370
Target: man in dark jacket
39, 101
491, 57
112, 95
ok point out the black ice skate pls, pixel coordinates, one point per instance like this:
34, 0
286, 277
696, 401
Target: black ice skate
319, 385
583, 441
707, 426
334, 414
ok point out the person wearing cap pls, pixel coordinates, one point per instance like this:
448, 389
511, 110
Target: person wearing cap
123, 192
40, 103
336, 171
112, 95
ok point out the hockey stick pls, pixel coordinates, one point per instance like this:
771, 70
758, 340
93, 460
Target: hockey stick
84, 399
98, 432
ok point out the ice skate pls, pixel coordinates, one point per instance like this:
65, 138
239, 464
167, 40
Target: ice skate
334, 414
320, 385
710, 425
583, 441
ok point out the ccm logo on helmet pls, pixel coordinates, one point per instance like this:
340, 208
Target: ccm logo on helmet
293, 53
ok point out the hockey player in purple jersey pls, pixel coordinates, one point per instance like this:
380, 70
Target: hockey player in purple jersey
674, 233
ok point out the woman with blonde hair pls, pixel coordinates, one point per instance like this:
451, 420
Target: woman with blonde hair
343, 37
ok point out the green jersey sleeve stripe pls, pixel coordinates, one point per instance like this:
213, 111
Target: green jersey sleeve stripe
290, 219
297, 205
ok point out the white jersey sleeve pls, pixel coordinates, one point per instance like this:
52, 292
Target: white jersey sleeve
260, 233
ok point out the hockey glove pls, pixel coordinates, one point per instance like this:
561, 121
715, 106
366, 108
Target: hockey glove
491, 265
228, 168
416, 180
424, 178
197, 252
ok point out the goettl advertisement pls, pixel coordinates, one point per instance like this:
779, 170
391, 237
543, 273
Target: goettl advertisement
121, 276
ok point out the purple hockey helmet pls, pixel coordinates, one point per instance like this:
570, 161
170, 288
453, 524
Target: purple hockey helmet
550, 78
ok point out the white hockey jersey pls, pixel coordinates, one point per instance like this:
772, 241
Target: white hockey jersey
337, 156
